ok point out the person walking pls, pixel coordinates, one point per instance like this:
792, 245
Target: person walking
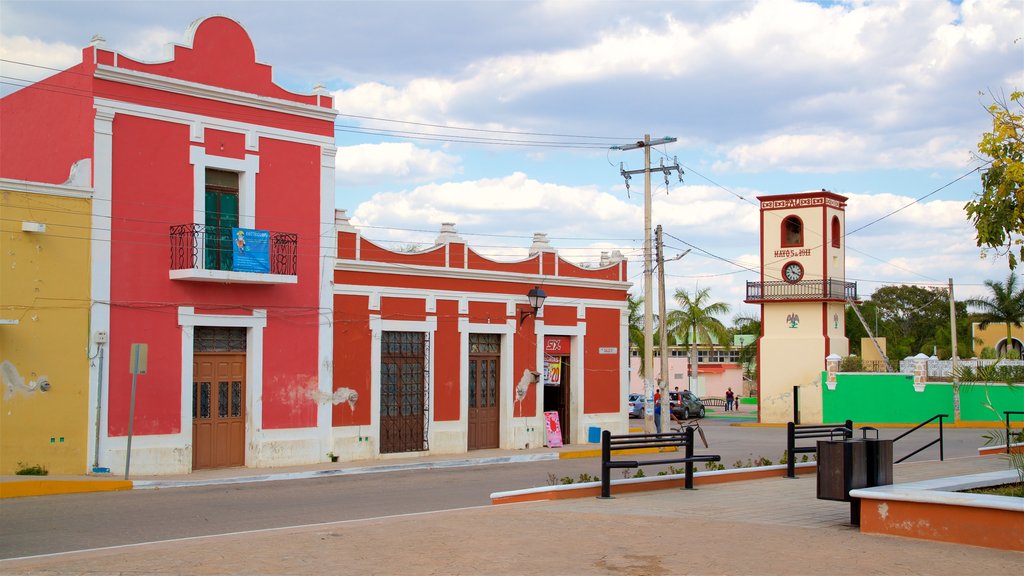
657, 411
729, 397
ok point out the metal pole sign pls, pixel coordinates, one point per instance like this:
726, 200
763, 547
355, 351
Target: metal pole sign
138, 366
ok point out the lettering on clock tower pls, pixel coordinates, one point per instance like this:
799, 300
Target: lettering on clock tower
792, 253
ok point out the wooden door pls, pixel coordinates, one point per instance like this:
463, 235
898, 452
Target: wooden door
403, 398
484, 391
483, 402
218, 410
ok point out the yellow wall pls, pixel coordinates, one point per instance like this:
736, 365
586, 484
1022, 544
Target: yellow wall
799, 358
44, 285
868, 353
992, 335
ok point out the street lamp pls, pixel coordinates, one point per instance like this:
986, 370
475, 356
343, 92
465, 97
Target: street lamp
536, 297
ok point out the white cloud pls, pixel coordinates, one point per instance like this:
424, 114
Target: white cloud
393, 163
818, 88
46, 58
499, 215
151, 44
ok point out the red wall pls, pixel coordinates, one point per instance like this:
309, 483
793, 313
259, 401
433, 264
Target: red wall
602, 370
47, 127
352, 357
152, 190
446, 362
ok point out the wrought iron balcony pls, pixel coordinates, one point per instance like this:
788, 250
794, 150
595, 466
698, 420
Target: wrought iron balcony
212, 253
826, 289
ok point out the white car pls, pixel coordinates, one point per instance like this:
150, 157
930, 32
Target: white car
636, 405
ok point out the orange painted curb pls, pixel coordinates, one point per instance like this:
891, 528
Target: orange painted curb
994, 450
590, 490
991, 528
23, 488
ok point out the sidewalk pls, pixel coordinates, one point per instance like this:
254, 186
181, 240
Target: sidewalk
19, 486
770, 526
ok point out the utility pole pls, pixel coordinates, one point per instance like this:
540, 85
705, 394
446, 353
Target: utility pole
648, 360
659, 246
952, 357
662, 325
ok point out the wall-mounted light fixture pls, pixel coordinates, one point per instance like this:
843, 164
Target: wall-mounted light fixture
536, 296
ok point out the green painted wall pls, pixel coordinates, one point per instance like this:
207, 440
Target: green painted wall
891, 398
973, 399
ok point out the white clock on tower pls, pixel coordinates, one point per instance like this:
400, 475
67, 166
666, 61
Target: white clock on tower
793, 272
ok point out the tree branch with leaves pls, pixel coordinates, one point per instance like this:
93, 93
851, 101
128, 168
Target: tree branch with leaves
998, 211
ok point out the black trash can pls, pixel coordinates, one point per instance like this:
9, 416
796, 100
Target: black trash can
879, 457
842, 466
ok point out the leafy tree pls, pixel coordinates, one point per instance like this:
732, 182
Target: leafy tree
750, 326
855, 330
998, 211
695, 322
635, 306
1004, 306
914, 319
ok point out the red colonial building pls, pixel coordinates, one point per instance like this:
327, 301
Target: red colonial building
440, 351
212, 217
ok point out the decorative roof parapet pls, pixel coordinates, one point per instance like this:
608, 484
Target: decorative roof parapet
342, 222
540, 244
614, 258
448, 234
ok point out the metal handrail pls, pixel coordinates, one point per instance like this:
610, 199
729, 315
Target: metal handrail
192, 243
828, 288
921, 425
1007, 414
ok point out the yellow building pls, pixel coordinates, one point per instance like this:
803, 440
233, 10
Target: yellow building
803, 293
44, 326
994, 336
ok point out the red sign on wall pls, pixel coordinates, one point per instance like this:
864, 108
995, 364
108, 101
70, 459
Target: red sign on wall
556, 345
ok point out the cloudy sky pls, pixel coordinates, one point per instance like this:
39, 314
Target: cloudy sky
499, 116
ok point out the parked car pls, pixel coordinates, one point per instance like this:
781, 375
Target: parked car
685, 405
636, 405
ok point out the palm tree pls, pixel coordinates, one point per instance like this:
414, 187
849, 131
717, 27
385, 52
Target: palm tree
748, 325
695, 322
1004, 306
636, 327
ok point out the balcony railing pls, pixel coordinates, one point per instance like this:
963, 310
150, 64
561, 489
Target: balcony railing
199, 247
828, 289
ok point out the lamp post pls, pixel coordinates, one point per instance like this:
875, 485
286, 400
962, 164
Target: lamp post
536, 297
648, 360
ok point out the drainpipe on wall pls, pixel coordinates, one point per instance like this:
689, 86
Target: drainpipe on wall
99, 403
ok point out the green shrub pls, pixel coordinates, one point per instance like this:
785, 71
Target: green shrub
34, 470
851, 364
998, 373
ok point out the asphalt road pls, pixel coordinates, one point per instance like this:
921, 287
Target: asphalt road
50, 524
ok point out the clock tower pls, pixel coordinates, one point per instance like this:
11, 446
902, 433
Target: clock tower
803, 293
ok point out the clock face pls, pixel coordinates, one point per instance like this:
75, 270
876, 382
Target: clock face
793, 272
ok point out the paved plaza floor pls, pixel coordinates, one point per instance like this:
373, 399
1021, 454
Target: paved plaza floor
768, 526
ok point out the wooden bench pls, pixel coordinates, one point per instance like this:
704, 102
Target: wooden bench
618, 443
796, 432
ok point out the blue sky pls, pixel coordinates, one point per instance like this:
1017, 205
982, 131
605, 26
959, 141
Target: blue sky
881, 102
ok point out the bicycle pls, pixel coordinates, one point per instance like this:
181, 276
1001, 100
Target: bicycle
679, 425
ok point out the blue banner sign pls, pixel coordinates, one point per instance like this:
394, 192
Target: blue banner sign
251, 250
